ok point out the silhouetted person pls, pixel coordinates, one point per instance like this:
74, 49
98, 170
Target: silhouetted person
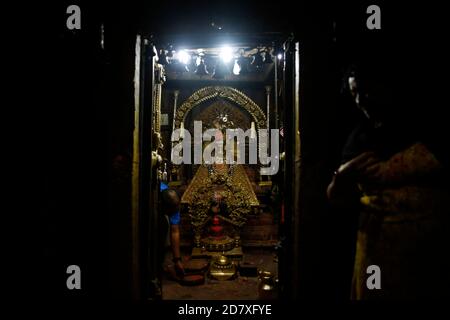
393, 177
170, 206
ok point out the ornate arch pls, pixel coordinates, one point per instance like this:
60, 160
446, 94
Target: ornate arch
229, 93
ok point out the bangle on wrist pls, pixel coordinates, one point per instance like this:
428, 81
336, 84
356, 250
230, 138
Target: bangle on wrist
336, 174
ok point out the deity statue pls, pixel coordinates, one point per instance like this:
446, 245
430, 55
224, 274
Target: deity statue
219, 198
216, 223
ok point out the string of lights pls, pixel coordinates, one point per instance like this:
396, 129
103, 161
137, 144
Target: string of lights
216, 62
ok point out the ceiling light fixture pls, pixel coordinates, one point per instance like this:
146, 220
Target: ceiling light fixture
226, 54
184, 57
257, 59
268, 57
162, 58
201, 68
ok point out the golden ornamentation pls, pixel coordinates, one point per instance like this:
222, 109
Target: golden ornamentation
211, 244
235, 189
159, 80
229, 93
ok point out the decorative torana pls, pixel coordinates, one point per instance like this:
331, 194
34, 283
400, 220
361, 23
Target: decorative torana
228, 182
229, 93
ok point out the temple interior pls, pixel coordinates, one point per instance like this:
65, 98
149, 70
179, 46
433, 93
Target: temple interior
232, 87
148, 98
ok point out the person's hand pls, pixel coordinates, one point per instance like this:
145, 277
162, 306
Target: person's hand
358, 168
343, 189
376, 172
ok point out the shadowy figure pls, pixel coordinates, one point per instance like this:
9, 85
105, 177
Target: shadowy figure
394, 178
170, 207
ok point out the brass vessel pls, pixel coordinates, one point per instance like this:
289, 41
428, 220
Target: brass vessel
222, 268
267, 284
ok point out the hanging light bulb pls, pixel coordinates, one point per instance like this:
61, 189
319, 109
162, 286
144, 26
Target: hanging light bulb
198, 60
221, 70
184, 57
177, 66
179, 61
257, 60
226, 54
201, 68
236, 68
162, 58
268, 57
170, 52
243, 63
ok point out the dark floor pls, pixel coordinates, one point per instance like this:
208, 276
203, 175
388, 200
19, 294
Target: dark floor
241, 288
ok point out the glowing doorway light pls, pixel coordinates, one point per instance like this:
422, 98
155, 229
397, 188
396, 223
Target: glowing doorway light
226, 54
184, 57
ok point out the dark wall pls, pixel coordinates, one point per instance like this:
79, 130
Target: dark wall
87, 120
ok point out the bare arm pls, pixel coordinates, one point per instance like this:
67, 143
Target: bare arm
343, 189
175, 240
175, 243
